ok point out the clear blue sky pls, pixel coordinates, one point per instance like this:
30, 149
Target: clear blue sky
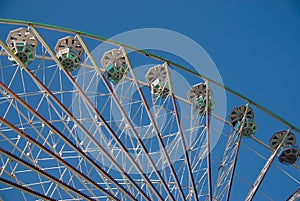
254, 44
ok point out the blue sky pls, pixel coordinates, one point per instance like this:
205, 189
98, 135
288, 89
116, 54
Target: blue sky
254, 44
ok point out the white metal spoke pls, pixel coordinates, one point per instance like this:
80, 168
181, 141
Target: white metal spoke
264, 171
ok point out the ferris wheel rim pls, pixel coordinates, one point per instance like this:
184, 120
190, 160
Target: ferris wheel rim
151, 55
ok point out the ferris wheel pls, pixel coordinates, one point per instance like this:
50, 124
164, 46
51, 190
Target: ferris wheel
79, 125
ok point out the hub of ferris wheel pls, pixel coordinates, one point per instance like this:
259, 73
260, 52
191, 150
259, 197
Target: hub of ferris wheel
198, 97
289, 152
115, 65
23, 44
69, 52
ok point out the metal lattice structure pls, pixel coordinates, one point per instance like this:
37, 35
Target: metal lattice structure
76, 128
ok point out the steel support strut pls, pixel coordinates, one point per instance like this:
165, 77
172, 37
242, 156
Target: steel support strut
233, 145
240, 132
264, 170
25, 189
207, 111
181, 133
295, 196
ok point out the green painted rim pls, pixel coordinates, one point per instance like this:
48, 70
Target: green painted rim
148, 54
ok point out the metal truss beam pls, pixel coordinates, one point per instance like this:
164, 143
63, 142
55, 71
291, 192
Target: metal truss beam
264, 171
25, 189
207, 111
237, 152
181, 134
